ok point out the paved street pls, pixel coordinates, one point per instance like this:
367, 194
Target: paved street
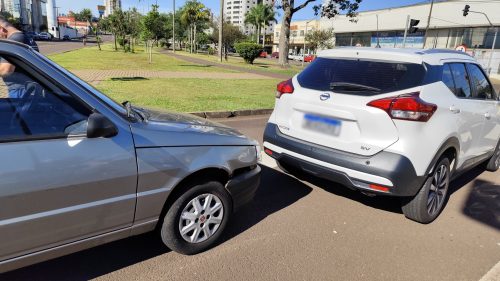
297, 230
55, 47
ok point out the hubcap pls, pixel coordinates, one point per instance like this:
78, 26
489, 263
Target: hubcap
201, 218
438, 190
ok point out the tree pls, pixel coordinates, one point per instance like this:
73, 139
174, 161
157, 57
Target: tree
194, 14
269, 16
320, 39
328, 8
231, 35
152, 29
84, 15
260, 16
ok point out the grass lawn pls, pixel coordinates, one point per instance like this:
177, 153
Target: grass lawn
193, 95
270, 65
109, 59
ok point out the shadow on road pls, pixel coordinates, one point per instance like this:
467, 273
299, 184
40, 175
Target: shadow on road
483, 203
277, 191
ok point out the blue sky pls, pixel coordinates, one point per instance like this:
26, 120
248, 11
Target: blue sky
166, 5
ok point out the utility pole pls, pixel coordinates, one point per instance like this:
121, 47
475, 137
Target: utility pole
406, 31
173, 30
221, 27
378, 39
428, 23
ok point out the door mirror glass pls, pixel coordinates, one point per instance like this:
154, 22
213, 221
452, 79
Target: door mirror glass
99, 126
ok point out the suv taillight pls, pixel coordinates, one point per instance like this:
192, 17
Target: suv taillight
406, 107
285, 87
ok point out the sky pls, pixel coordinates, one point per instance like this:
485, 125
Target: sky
166, 5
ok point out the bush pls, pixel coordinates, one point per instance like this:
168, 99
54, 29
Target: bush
248, 51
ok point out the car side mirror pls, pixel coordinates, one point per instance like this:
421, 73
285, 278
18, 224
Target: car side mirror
99, 126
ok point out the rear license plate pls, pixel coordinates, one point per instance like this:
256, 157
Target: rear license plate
320, 124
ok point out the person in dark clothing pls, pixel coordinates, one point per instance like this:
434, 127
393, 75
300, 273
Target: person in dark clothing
13, 80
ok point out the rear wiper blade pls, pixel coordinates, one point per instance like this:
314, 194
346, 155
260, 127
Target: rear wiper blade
353, 87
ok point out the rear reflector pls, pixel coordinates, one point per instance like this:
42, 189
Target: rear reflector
268, 151
406, 107
379, 187
285, 87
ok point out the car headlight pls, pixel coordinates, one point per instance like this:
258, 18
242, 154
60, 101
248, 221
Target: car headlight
258, 150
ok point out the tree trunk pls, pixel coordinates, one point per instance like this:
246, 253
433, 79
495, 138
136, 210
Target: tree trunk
285, 36
194, 41
264, 37
257, 33
116, 47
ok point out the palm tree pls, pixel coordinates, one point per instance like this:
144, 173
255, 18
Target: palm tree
260, 16
193, 13
268, 16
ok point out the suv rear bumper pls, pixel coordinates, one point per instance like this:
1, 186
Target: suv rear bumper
383, 173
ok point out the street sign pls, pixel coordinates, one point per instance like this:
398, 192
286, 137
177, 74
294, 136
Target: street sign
461, 48
101, 9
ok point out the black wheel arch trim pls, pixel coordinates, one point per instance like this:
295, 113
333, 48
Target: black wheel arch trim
451, 142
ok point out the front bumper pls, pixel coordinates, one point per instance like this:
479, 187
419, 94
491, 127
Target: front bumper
383, 173
243, 187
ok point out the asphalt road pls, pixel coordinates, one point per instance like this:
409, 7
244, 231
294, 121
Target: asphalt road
296, 230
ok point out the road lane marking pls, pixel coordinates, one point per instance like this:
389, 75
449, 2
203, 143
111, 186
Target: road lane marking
493, 274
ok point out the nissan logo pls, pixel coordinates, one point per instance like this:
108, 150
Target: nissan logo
324, 96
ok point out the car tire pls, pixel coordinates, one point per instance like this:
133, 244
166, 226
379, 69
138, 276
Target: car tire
493, 164
193, 213
426, 206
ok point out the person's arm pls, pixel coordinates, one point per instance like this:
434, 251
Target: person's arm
6, 68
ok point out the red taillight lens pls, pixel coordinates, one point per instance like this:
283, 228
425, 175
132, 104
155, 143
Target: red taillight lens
406, 107
285, 87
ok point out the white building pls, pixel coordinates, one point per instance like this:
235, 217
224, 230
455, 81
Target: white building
111, 6
235, 11
31, 13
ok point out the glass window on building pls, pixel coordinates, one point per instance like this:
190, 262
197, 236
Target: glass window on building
343, 39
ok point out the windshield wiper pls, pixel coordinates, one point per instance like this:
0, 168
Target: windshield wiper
352, 87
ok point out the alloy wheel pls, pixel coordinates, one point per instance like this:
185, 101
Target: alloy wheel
201, 217
438, 190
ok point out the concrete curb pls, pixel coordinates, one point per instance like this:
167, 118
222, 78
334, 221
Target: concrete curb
231, 114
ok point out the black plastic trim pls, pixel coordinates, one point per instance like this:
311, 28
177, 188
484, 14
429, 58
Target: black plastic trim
394, 167
243, 187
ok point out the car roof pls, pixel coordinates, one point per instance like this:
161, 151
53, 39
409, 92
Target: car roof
430, 56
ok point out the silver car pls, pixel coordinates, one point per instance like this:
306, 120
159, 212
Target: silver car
78, 169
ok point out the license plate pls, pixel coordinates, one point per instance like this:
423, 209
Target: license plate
322, 124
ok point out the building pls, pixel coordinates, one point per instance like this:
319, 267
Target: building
448, 29
31, 13
298, 31
111, 6
235, 11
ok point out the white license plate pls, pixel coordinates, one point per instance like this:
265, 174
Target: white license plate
325, 125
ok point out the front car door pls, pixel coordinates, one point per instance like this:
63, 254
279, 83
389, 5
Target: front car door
57, 186
483, 91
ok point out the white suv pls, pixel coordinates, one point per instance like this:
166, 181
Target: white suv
394, 122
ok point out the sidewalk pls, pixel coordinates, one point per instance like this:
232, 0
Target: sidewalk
226, 66
96, 76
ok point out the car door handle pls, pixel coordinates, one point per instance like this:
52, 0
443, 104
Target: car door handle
454, 110
487, 115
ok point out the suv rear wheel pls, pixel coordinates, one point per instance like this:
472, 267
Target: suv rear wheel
494, 162
196, 220
431, 199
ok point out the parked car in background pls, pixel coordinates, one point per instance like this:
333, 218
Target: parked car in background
33, 35
400, 123
66, 38
32, 43
45, 36
295, 57
87, 170
263, 54
309, 58
275, 55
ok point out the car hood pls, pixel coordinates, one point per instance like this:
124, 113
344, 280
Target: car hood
167, 128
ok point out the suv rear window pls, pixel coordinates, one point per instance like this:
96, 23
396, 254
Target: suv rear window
384, 76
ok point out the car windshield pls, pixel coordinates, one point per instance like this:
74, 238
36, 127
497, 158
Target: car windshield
112, 103
361, 77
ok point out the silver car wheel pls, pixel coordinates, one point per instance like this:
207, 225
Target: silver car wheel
201, 218
438, 190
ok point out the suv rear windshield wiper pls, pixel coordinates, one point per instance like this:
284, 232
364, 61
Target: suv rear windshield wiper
346, 86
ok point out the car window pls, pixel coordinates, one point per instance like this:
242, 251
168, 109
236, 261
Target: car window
461, 78
28, 109
384, 76
482, 87
448, 78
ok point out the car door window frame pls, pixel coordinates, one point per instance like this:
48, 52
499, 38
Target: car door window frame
55, 89
454, 91
494, 95
455, 81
